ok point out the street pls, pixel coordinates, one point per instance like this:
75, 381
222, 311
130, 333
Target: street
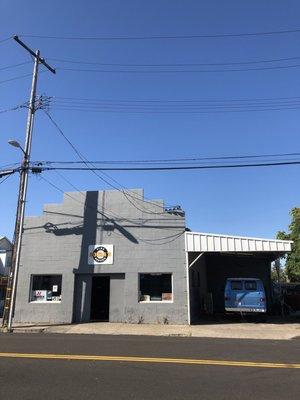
136, 367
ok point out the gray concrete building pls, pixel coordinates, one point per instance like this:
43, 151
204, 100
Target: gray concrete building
114, 256
104, 256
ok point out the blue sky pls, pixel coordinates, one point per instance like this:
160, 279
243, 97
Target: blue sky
254, 202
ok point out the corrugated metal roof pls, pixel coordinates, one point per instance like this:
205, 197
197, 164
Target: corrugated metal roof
210, 242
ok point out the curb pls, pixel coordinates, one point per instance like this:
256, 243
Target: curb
32, 330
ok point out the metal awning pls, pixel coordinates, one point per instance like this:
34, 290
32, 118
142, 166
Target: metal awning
210, 242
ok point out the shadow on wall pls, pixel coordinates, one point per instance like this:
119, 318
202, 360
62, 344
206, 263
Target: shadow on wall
90, 221
93, 221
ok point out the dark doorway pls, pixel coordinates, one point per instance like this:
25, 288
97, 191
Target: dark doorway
100, 298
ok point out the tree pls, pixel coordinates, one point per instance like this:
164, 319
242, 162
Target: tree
293, 258
278, 273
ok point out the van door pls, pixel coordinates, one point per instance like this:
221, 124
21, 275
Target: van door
254, 297
233, 294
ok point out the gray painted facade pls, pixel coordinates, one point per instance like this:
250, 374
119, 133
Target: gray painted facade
146, 239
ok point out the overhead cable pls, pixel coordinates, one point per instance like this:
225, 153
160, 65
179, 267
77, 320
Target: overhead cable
15, 65
154, 37
23, 105
176, 101
171, 71
5, 40
197, 64
170, 168
172, 160
137, 111
92, 168
4, 179
15, 78
111, 217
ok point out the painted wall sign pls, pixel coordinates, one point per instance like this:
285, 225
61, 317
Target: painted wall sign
101, 254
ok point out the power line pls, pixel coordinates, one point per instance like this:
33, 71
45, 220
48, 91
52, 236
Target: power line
15, 78
15, 65
93, 170
154, 37
145, 105
70, 196
178, 101
132, 111
59, 104
5, 40
170, 168
82, 193
171, 160
113, 217
9, 166
175, 64
23, 105
4, 179
169, 71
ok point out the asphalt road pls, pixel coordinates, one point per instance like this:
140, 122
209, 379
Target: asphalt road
153, 378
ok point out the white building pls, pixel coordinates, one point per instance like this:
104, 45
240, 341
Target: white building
5, 255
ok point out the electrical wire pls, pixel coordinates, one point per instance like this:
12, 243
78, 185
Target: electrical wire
23, 105
154, 37
93, 170
169, 160
136, 225
162, 71
16, 77
9, 166
5, 40
132, 111
174, 64
4, 179
83, 194
159, 106
177, 105
174, 168
177, 101
15, 65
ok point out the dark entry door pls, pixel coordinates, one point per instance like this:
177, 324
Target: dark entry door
100, 298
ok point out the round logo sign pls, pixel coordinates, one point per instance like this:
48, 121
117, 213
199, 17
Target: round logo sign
100, 254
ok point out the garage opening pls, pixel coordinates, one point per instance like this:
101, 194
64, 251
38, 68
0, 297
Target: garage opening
212, 259
100, 298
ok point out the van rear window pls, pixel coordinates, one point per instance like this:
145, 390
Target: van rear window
236, 285
250, 285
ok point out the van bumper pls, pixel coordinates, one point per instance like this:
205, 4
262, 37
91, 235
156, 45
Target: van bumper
246, 309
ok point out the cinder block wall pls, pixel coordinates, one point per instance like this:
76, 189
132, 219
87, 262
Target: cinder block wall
145, 239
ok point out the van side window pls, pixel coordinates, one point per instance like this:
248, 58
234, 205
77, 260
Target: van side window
250, 285
236, 285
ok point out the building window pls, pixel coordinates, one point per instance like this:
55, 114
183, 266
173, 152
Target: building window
155, 287
46, 288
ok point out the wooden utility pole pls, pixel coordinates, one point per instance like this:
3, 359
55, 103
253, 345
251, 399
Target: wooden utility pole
9, 304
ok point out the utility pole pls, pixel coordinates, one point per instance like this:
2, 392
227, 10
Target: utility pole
24, 170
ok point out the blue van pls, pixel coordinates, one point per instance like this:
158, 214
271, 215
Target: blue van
245, 295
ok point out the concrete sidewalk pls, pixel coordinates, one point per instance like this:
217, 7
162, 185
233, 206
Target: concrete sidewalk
272, 331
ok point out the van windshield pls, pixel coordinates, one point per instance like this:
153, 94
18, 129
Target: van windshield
250, 285
236, 285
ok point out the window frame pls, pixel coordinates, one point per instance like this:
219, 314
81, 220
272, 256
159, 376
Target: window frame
155, 301
44, 301
235, 282
246, 283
